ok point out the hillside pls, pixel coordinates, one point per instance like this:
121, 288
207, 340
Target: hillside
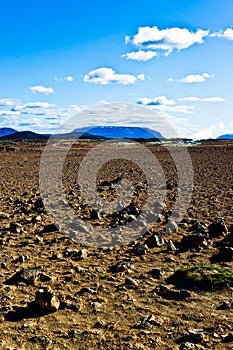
7, 131
225, 137
23, 135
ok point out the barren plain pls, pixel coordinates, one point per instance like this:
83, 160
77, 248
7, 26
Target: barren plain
127, 296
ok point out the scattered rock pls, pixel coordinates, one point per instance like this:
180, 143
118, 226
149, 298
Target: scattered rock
154, 241
193, 241
171, 226
199, 226
27, 275
129, 281
16, 227
45, 278
49, 228
2, 317
217, 229
225, 255
3, 264
140, 249
23, 258
121, 266
196, 335
98, 306
156, 273
171, 246
225, 305
173, 294
100, 324
228, 338
4, 215
149, 321
76, 254
187, 345
73, 306
56, 256
47, 300
87, 290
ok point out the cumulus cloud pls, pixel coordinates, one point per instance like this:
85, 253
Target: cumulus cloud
226, 34
163, 104
140, 55
193, 78
6, 113
205, 99
157, 101
106, 76
175, 109
8, 102
41, 89
40, 117
69, 78
168, 39
219, 127
33, 105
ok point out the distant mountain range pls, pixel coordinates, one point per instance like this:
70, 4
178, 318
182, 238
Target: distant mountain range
225, 137
96, 132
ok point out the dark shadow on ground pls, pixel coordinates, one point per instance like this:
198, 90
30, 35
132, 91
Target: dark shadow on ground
19, 313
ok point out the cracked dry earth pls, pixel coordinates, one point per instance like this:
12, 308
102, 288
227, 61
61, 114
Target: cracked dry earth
113, 297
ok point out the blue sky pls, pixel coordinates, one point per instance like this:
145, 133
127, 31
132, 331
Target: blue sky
173, 57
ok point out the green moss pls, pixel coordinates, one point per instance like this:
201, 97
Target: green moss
25, 242
202, 277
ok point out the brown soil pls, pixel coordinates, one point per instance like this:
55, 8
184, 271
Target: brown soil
111, 312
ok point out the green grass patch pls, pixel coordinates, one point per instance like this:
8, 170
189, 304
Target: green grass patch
25, 242
202, 277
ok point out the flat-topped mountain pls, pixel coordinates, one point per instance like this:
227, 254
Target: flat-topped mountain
119, 132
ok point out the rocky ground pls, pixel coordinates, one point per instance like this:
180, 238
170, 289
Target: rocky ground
58, 294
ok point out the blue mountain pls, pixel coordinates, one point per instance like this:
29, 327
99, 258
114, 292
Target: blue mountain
23, 135
225, 137
118, 132
7, 131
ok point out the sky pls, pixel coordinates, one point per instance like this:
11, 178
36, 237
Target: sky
175, 58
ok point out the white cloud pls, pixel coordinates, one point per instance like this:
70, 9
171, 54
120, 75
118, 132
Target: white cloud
167, 39
140, 55
204, 133
40, 117
8, 102
193, 78
41, 89
216, 129
141, 76
157, 101
105, 76
8, 113
69, 78
163, 104
33, 105
104, 102
205, 99
226, 34
174, 109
